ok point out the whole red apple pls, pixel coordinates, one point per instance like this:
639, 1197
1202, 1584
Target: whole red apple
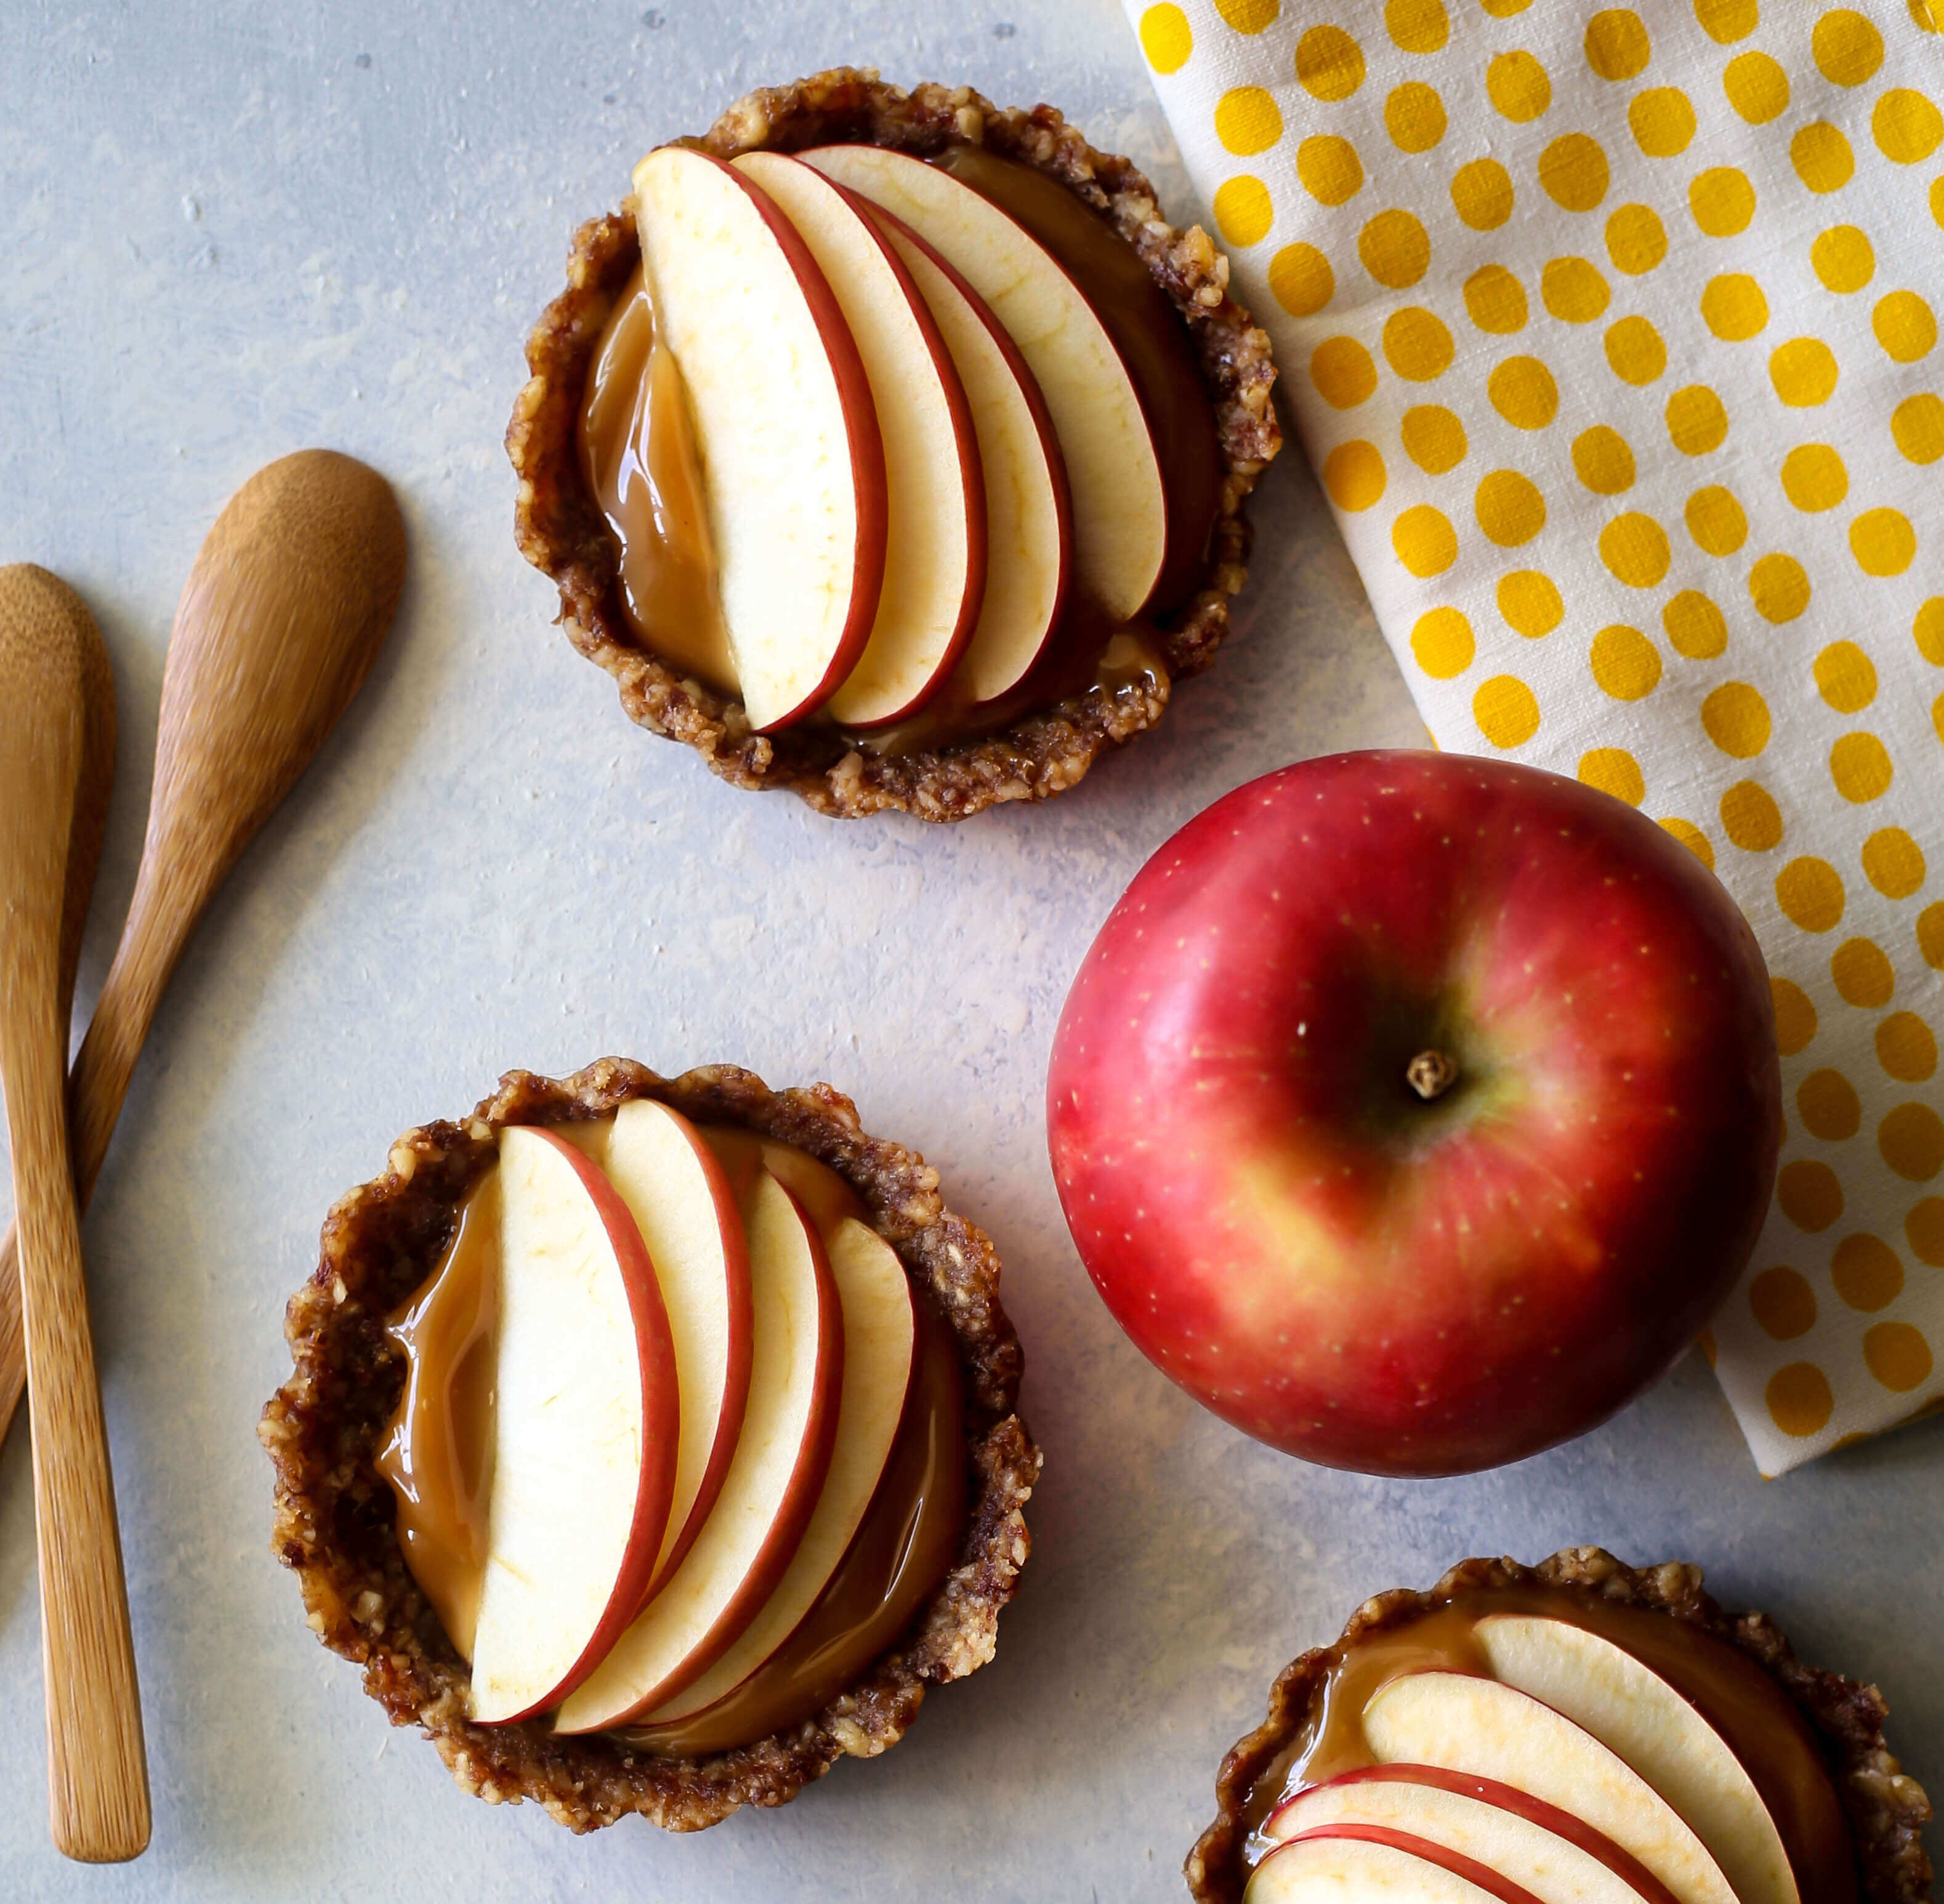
1414, 1112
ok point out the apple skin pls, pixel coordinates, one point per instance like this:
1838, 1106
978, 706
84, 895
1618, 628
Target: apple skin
1352, 1274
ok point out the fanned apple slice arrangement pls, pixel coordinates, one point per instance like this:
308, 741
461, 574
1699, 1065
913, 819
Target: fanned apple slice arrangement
1574, 1774
698, 1388
922, 441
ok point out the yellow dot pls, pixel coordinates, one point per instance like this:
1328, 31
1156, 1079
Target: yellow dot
1735, 717
1893, 862
1614, 771
1750, 817
1482, 194
1616, 44
1695, 627
1923, 1231
1813, 478
1809, 890
1937, 200
1504, 9
1905, 326
1722, 201
1573, 172
1243, 210
1354, 474
1530, 603
1329, 63
1927, 631
1301, 280
1636, 239
1518, 85
1847, 48
1783, 1303
1248, 121
1828, 1106
1778, 587
1663, 120
1756, 87
1417, 26
1425, 540
1342, 371
1845, 677
1862, 974
1414, 117
1868, 1273
1634, 350
1434, 438
1918, 425
1905, 125
1248, 15
1691, 836
1417, 345
1822, 157
1495, 299
1634, 549
1506, 711
1511, 510
1443, 643
1810, 1196
1907, 1047
1882, 542
1625, 662
1697, 422
1911, 1140
1897, 1355
1844, 259
1602, 461
1329, 169
1725, 21
1795, 1016
1715, 521
1166, 38
1804, 372
1800, 1401
1860, 765
1522, 391
1930, 934
1734, 308
1573, 291
1395, 249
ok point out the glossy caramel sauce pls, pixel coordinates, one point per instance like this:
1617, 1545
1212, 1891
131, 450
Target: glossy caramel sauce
1754, 1716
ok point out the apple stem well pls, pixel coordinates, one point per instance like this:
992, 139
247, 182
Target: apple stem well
1430, 1073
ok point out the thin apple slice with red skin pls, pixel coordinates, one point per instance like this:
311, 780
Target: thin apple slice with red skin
793, 463
796, 1369
685, 1206
1119, 492
1466, 1723
1627, 1706
585, 1422
1028, 511
880, 1361
1555, 1855
935, 538
1350, 1864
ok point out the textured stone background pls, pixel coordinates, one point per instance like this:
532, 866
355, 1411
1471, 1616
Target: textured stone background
230, 229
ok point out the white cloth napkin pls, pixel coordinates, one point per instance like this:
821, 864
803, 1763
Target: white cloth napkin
1613, 334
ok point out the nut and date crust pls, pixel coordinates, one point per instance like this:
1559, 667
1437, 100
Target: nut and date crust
1886, 1809
560, 530
335, 1514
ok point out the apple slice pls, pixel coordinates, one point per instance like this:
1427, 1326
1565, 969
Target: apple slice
1120, 500
1626, 1706
796, 1365
880, 1359
1353, 1863
1464, 1723
793, 463
1029, 512
935, 542
585, 1429
1557, 1857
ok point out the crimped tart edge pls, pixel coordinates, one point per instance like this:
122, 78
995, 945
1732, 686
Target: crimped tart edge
1886, 1809
334, 1517
559, 530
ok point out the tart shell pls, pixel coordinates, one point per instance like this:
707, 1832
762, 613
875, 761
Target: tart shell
560, 530
335, 1513
1886, 1809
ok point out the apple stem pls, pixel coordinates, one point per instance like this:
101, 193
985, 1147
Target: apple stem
1430, 1073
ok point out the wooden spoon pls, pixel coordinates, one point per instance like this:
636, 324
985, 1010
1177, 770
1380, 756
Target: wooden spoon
283, 614
51, 664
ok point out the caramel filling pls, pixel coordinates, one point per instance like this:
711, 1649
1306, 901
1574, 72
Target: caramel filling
438, 1458
640, 461
1752, 1713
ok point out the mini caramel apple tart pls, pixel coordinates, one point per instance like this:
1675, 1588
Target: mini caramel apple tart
1577, 1733
652, 1442
892, 448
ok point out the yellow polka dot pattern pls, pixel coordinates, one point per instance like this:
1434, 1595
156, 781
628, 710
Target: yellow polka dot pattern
1612, 336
